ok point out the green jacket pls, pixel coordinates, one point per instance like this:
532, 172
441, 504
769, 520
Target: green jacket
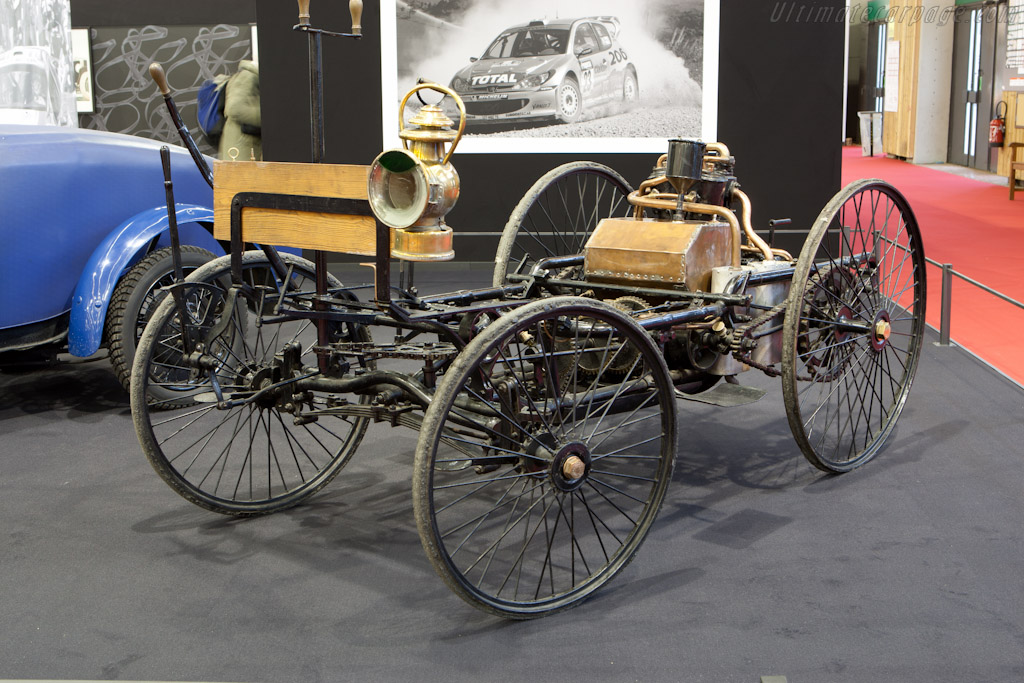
242, 107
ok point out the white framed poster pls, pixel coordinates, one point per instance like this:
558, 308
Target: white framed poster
81, 55
558, 76
1015, 35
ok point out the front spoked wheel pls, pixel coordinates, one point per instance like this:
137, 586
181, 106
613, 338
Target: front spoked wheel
853, 327
236, 435
544, 457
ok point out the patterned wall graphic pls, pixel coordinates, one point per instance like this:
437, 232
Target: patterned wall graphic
36, 81
127, 100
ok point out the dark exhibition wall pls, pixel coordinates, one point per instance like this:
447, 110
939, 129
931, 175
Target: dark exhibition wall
780, 105
118, 13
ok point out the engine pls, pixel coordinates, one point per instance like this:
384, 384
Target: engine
684, 235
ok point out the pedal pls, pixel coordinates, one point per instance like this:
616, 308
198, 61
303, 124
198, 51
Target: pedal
726, 395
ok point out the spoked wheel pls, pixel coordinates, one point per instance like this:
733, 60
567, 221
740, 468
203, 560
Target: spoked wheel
558, 214
544, 457
234, 437
854, 324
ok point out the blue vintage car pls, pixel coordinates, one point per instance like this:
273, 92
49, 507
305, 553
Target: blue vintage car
84, 229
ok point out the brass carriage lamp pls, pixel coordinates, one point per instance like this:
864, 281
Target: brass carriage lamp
413, 188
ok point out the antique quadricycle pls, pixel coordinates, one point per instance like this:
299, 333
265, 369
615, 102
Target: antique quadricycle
546, 403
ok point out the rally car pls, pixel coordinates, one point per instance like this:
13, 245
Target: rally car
548, 70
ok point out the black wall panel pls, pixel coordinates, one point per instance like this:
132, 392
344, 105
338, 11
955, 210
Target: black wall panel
351, 71
143, 12
780, 107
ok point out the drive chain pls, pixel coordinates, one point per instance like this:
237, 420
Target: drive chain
744, 332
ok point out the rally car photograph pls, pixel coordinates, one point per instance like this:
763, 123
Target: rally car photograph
548, 71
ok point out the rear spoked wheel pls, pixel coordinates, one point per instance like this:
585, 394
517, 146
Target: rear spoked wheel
544, 457
558, 214
234, 436
853, 327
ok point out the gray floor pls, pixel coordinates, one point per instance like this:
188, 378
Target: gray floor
909, 569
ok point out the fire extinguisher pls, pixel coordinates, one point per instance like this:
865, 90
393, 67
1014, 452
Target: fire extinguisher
997, 127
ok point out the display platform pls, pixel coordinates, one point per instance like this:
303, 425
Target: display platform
904, 570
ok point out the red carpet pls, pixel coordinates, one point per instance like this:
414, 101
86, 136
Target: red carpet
974, 226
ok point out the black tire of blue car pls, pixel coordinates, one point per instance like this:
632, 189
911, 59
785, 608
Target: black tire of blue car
570, 100
134, 300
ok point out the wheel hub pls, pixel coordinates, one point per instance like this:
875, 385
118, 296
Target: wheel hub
570, 102
842, 330
881, 331
261, 379
570, 467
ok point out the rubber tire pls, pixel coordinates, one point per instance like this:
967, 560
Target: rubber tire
569, 88
219, 270
630, 78
451, 388
124, 315
534, 195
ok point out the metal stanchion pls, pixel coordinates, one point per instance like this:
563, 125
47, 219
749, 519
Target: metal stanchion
947, 303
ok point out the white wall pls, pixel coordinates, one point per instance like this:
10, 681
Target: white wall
935, 74
46, 24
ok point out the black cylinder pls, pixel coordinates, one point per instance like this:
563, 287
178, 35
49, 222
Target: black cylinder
716, 188
685, 159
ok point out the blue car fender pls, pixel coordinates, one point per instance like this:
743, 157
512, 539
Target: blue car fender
123, 247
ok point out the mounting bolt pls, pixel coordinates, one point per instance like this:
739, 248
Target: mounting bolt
573, 468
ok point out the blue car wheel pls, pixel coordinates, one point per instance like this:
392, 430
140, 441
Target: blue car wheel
136, 297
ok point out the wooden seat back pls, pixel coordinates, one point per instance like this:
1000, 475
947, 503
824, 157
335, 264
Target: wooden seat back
341, 233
